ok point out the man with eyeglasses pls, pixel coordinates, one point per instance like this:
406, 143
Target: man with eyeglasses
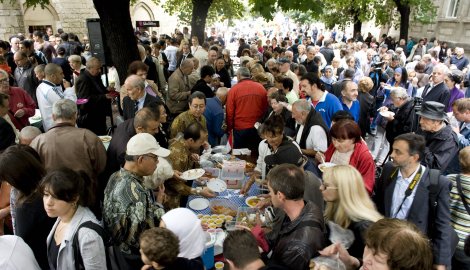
22, 105
197, 105
129, 207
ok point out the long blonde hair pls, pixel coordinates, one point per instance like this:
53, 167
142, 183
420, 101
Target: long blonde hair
353, 203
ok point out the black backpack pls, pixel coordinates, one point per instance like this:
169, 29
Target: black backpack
114, 258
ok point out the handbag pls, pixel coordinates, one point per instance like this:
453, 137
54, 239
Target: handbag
459, 188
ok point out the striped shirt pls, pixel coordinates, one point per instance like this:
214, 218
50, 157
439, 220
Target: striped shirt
460, 219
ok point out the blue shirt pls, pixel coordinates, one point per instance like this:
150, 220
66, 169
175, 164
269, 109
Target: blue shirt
214, 114
327, 106
354, 110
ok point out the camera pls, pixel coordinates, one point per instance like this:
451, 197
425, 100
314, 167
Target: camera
376, 63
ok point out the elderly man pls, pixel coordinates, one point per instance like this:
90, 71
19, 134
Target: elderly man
459, 60
89, 86
129, 208
284, 68
290, 242
179, 88
50, 91
22, 105
246, 103
325, 103
215, 115
441, 141
24, 74
28, 134
136, 98
65, 145
437, 90
312, 133
197, 105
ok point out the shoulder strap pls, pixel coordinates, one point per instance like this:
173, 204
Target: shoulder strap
459, 188
433, 191
76, 245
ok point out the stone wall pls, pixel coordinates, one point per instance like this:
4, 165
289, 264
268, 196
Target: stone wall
11, 19
73, 15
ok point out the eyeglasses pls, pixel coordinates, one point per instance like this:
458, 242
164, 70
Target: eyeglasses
155, 158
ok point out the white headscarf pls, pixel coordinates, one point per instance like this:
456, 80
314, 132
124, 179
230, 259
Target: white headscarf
163, 172
185, 224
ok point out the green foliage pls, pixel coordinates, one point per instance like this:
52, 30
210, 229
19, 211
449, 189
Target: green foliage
267, 8
32, 3
220, 10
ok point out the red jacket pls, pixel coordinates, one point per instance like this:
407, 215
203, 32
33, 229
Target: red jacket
20, 99
362, 160
246, 103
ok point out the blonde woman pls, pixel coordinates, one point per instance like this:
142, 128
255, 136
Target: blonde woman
348, 204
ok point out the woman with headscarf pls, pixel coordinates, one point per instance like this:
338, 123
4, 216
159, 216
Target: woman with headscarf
327, 78
185, 224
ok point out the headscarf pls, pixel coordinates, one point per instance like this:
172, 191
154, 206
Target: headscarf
330, 80
185, 224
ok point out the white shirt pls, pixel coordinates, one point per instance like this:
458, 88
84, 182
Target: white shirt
47, 97
401, 186
15, 254
170, 53
316, 139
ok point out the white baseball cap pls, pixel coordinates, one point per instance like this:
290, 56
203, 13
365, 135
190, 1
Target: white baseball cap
144, 143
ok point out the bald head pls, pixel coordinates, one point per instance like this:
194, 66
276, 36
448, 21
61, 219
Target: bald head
135, 81
221, 94
187, 66
28, 134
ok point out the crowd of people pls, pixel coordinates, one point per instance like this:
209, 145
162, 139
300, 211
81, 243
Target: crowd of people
365, 136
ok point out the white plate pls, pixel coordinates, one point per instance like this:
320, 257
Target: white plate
387, 113
105, 139
193, 174
217, 185
199, 204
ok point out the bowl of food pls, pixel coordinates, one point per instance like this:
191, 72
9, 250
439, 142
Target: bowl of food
223, 206
252, 201
323, 166
387, 114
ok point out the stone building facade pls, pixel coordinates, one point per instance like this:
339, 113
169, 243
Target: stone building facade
16, 17
452, 24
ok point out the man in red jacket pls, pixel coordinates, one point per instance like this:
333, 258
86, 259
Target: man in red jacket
22, 105
246, 103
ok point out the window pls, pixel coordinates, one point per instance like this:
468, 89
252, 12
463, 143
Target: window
453, 8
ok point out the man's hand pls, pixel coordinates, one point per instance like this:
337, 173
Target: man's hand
19, 113
161, 194
338, 250
194, 157
177, 175
439, 267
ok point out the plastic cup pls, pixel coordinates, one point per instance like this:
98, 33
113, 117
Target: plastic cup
219, 265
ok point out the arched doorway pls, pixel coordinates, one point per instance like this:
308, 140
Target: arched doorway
38, 18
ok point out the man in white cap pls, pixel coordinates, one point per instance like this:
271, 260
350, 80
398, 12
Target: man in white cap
130, 208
